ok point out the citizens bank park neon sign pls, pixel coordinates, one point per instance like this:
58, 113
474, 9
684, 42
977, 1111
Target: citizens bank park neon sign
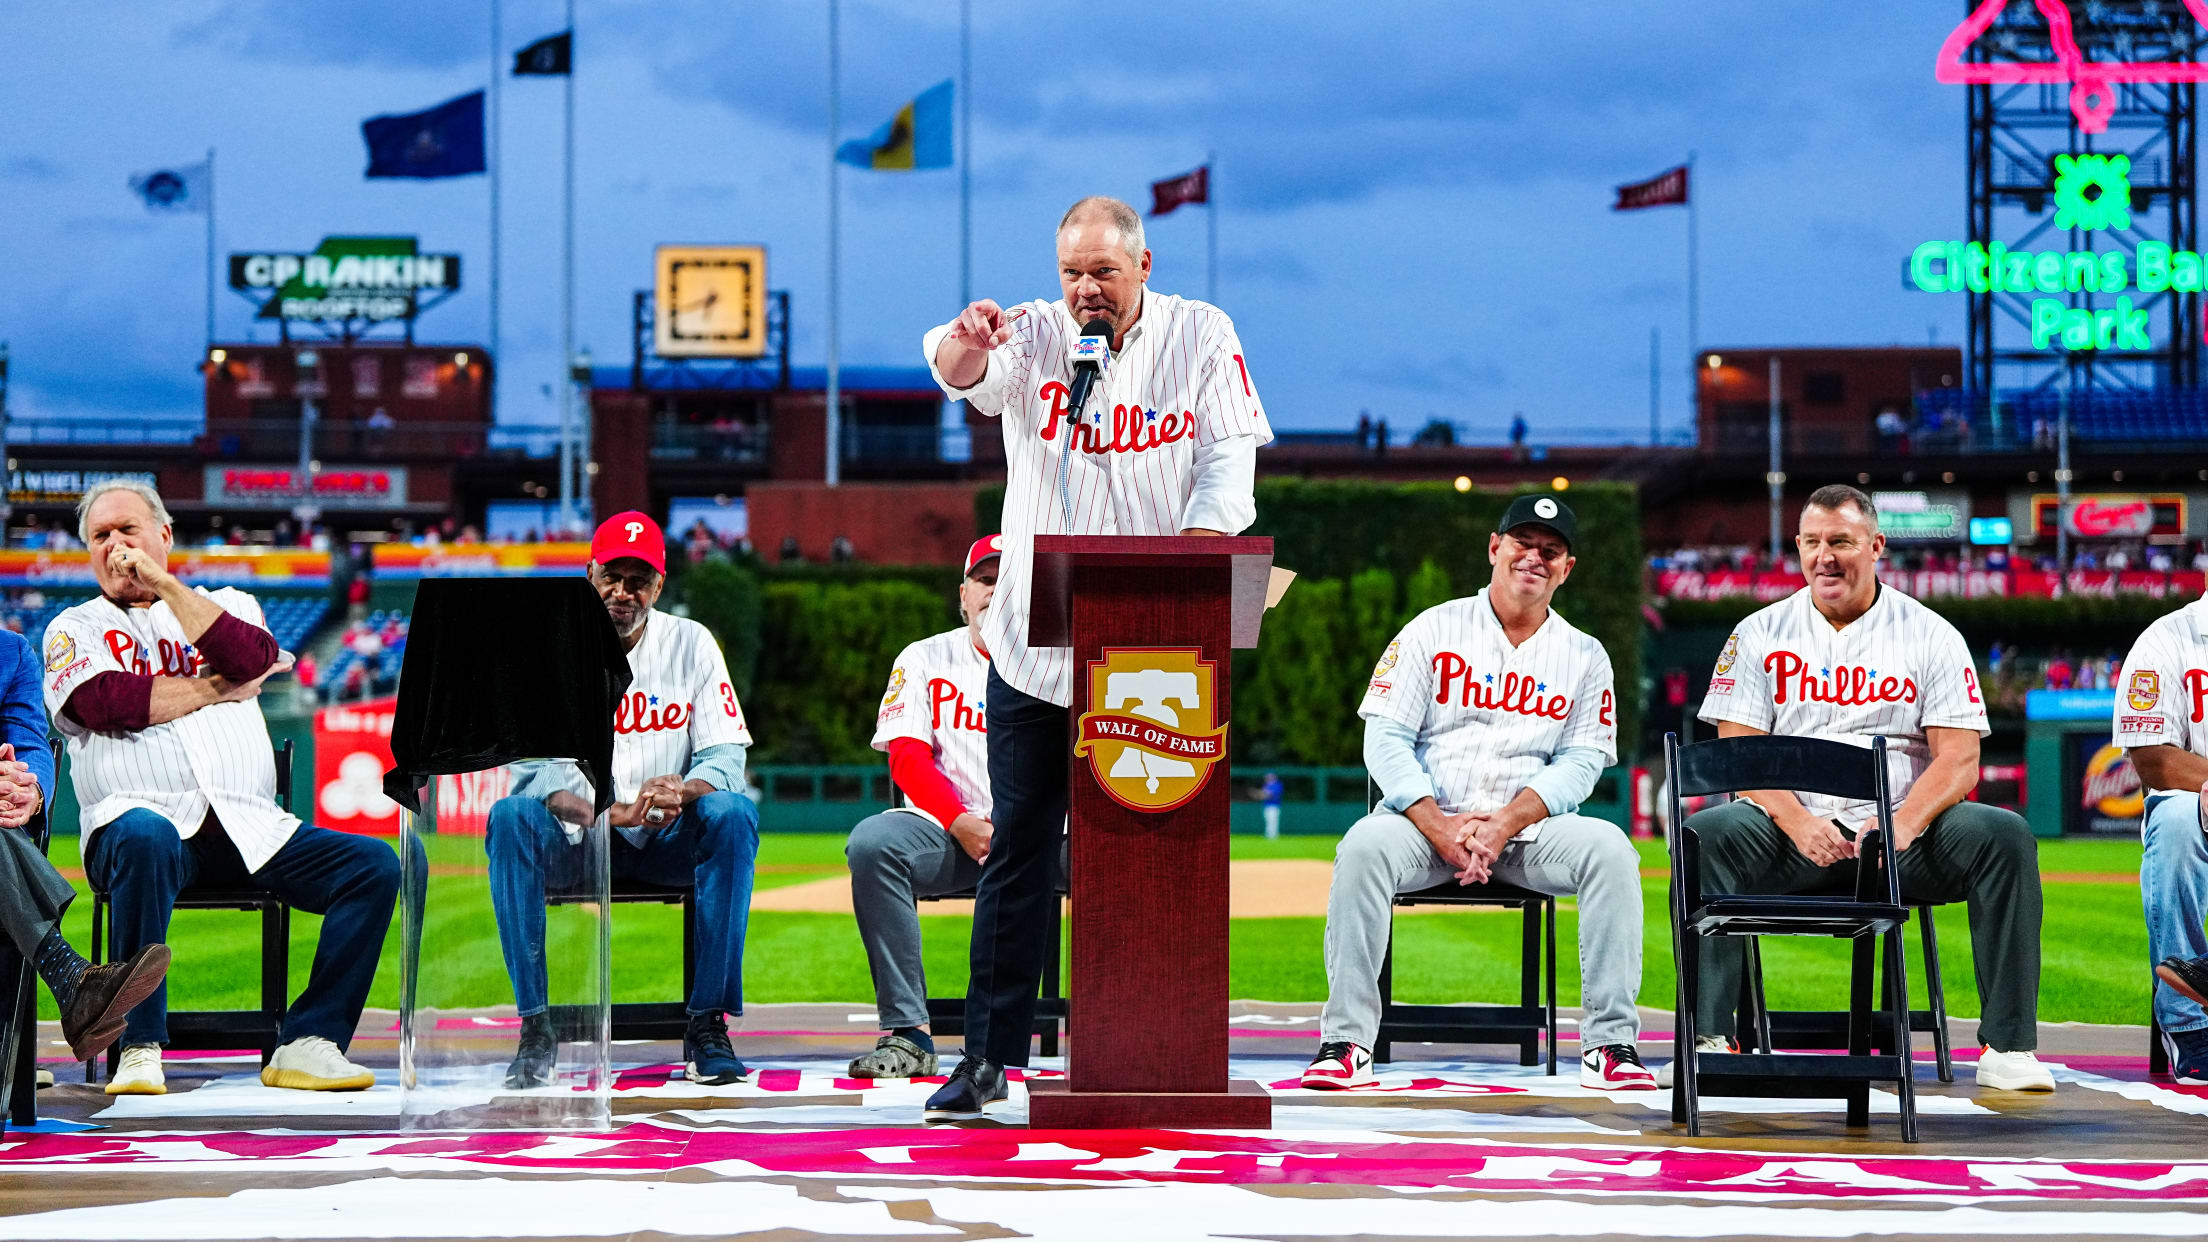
2091, 193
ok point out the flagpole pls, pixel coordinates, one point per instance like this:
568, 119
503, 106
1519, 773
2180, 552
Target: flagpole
965, 153
1694, 302
498, 358
1211, 227
833, 423
210, 249
567, 289
1655, 386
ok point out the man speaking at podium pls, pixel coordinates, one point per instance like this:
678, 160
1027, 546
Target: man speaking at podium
1125, 412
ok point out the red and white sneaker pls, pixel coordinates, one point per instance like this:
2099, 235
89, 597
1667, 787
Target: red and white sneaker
1615, 1067
1338, 1066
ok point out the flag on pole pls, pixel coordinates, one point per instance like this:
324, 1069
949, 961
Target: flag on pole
1189, 187
1665, 189
919, 136
185, 189
445, 141
552, 56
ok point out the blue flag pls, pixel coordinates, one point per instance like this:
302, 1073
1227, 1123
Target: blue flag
919, 136
445, 141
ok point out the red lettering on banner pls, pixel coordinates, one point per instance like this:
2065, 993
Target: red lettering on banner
2196, 685
1844, 685
941, 694
1133, 429
1516, 693
638, 712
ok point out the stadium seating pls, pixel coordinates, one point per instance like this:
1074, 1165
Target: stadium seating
382, 670
293, 616
2147, 419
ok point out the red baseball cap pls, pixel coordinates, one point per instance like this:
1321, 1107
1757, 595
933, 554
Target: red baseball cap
986, 548
630, 534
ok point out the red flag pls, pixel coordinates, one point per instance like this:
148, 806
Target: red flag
1189, 187
1665, 189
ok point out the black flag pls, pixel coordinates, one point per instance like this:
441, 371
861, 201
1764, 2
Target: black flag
551, 56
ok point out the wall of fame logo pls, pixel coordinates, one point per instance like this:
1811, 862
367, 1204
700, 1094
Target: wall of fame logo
2145, 690
1380, 671
896, 687
1152, 732
61, 651
1728, 657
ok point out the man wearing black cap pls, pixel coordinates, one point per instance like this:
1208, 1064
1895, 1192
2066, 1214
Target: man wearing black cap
1487, 721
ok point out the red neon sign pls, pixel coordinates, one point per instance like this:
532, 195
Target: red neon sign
2092, 83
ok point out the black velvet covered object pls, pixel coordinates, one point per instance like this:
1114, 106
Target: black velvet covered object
501, 669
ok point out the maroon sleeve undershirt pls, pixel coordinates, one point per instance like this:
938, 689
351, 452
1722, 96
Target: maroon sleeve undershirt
239, 650
112, 702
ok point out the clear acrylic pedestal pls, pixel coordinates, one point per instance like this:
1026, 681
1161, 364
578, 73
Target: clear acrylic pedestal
458, 1008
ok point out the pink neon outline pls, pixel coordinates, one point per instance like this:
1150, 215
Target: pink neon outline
2088, 79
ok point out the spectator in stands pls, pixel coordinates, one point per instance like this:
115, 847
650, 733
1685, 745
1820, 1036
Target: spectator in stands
1518, 437
790, 555
1892, 431
154, 685
365, 642
1380, 438
2059, 671
678, 757
1364, 431
842, 551
304, 671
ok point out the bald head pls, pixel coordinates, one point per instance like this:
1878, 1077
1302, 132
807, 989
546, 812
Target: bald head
1102, 209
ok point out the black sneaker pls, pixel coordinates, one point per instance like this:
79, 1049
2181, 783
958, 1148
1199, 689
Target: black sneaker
534, 1059
974, 1085
707, 1057
2186, 975
2188, 1055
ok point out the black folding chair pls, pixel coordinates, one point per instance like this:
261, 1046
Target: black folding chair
19, 1043
647, 1019
1873, 911
202, 1029
1825, 1028
947, 1014
1525, 1024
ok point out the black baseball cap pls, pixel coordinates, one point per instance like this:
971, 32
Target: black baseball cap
1544, 511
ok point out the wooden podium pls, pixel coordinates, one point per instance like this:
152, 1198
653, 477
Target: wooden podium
1151, 621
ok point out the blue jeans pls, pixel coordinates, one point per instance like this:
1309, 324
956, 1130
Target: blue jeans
351, 881
2173, 885
711, 847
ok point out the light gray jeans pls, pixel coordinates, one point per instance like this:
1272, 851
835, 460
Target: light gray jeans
1384, 854
897, 858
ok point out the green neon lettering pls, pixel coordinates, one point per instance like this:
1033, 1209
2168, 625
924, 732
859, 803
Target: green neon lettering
2077, 329
2112, 273
2131, 330
2081, 271
2046, 321
1997, 256
2104, 329
2154, 266
1975, 277
2047, 271
2016, 276
2185, 271
1928, 270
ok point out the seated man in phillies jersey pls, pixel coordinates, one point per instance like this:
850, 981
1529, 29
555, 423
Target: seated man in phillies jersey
153, 684
2160, 699
1486, 723
1848, 658
678, 816
931, 725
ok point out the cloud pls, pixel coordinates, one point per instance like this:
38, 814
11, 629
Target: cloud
30, 168
1453, 373
353, 34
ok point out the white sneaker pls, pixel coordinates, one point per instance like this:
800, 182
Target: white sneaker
314, 1064
1338, 1066
139, 1072
1702, 1043
2013, 1071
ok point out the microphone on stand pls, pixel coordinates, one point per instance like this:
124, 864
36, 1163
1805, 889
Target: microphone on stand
1091, 352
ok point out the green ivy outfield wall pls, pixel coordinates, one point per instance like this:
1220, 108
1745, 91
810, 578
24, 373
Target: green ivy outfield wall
1369, 557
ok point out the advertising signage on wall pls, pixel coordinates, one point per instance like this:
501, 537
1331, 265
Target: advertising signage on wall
332, 488
62, 487
2113, 515
378, 279
1939, 515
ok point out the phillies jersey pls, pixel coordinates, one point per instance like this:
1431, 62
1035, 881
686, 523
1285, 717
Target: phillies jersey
1169, 402
215, 757
1489, 715
1895, 671
2164, 685
935, 696
679, 702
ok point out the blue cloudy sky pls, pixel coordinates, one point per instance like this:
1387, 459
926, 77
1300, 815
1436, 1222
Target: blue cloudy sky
1414, 196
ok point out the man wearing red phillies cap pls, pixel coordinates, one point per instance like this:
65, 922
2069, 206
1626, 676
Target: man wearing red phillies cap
931, 725
678, 818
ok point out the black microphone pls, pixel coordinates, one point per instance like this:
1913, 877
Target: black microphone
1090, 351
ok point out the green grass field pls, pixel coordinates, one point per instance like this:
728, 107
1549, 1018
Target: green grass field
2094, 944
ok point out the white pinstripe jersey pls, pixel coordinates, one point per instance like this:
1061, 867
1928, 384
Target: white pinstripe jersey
680, 701
1894, 671
1178, 386
935, 696
2164, 686
1489, 716
217, 756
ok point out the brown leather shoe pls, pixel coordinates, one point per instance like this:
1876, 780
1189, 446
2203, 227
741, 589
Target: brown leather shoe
105, 997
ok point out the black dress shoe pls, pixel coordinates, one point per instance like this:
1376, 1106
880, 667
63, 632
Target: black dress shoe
106, 995
974, 1085
534, 1059
2188, 975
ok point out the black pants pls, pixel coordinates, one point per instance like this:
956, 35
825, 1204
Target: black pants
32, 894
1028, 773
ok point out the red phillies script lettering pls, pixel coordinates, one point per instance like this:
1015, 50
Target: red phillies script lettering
635, 713
177, 659
2196, 685
1845, 686
1516, 693
942, 694
1133, 430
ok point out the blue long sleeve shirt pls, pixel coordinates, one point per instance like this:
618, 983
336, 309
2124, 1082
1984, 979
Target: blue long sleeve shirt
22, 710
